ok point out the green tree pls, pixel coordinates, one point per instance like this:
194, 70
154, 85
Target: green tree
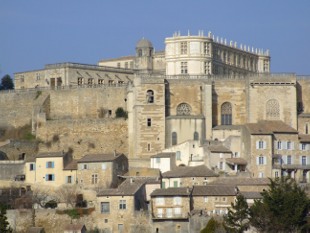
213, 226
120, 112
283, 208
238, 217
4, 224
6, 83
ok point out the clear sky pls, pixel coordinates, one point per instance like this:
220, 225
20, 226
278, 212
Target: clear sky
34, 33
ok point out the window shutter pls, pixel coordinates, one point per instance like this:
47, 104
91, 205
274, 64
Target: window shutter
53, 177
34, 166
257, 160
300, 146
292, 145
265, 144
284, 159
276, 145
66, 180
284, 145
265, 160
46, 177
257, 144
52, 164
46, 164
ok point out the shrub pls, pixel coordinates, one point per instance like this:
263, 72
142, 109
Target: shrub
120, 112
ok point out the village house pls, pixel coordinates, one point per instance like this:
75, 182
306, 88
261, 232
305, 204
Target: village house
101, 170
188, 177
118, 207
213, 199
47, 169
171, 205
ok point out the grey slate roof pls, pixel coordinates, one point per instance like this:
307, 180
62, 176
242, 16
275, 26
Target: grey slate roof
99, 158
183, 191
214, 190
197, 171
128, 188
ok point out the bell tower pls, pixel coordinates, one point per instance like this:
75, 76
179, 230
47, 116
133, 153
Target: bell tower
144, 56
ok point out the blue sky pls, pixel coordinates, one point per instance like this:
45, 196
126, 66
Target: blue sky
35, 33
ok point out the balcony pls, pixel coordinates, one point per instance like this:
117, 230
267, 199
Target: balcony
291, 166
170, 216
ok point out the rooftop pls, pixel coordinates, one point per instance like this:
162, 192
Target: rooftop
171, 192
164, 155
304, 137
270, 127
99, 158
50, 154
239, 161
214, 190
242, 181
71, 166
128, 188
197, 171
219, 148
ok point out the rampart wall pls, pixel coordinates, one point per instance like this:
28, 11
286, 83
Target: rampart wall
84, 136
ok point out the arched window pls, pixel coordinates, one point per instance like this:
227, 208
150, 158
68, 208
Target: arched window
272, 110
196, 136
184, 109
150, 96
174, 138
226, 113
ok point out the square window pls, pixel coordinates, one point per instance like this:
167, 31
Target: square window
49, 164
122, 204
105, 207
94, 178
85, 166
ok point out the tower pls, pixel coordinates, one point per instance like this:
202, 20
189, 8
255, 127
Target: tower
144, 56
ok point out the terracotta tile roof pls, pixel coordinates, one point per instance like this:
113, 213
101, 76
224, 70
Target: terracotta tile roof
270, 127
214, 190
239, 161
164, 155
304, 137
128, 188
72, 165
171, 192
241, 181
50, 154
99, 158
197, 171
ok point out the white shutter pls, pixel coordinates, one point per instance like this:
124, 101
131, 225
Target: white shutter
265, 160
265, 144
284, 158
276, 145
257, 160
284, 145
292, 145
257, 144
300, 146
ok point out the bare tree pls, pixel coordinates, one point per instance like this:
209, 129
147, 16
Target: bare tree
68, 194
141, 222
40, 196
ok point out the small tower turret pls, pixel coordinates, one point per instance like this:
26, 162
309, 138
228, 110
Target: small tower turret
144, 56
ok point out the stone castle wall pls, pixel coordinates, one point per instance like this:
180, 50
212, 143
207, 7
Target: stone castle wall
84, 136
87, 102
16, 108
